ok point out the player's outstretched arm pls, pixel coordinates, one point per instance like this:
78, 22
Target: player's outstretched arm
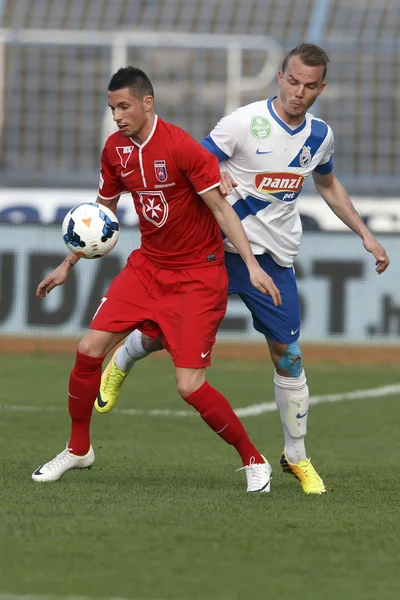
336, 197
230, 224
58, 276
372, 245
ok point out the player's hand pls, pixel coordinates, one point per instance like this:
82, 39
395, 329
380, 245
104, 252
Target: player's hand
57, 277
382, 260
227, 183
265, 284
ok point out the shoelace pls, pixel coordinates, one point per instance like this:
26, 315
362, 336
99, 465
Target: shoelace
114, 379
58, 460
255, 476
313, 477
249, 466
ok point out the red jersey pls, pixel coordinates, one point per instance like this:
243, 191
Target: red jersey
165, 176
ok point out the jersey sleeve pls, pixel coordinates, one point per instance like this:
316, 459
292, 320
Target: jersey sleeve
198, 165
110, 186
225, 136
325, 165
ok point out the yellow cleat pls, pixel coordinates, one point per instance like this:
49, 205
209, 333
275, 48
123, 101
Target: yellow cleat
309, 479
111, 382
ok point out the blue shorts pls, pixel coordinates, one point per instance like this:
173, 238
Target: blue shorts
278, 323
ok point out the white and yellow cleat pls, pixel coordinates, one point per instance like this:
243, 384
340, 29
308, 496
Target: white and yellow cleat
110, 387
258, 476
308, 477
60, 464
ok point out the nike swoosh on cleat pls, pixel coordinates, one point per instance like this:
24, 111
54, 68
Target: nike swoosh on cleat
100, 401
38, 471
299, 416
258, 151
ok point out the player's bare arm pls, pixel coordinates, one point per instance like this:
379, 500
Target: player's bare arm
230, 223
58, 276
111, 204
336, 197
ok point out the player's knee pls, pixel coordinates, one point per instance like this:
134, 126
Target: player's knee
291, 360
189, 382
89, 348
151, 345
185, 388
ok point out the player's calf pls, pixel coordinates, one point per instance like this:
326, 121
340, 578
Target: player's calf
218, 414
292, 399
150, 345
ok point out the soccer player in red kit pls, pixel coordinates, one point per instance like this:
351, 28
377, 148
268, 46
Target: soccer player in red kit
175, 285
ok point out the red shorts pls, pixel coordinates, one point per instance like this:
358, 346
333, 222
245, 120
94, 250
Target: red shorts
184, 306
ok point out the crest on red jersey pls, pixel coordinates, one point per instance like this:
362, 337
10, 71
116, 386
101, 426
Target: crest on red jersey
124, 153
154, 207
161, 170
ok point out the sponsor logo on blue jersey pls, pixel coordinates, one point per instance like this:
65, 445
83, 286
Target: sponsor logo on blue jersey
285, 186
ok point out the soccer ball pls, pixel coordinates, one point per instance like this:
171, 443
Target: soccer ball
90, 230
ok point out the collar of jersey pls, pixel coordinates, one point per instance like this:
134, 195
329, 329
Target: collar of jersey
140, 146
282, 123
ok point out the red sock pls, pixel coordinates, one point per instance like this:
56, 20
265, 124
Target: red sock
216, 411
84, 385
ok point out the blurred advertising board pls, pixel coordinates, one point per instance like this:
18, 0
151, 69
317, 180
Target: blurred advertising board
342, 298
49, 207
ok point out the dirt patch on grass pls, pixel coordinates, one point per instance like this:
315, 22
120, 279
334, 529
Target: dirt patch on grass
341, 354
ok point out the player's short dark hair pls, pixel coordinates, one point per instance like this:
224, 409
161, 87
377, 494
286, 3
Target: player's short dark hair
132, 78
310, 55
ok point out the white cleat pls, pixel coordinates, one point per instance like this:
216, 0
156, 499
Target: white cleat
258, 476
63, 462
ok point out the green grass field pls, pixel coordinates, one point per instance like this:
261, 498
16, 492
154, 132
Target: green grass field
163, 515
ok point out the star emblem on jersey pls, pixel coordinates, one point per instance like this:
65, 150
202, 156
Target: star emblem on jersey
154, 207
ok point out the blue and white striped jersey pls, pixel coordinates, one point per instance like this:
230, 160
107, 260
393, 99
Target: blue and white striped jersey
270, 161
